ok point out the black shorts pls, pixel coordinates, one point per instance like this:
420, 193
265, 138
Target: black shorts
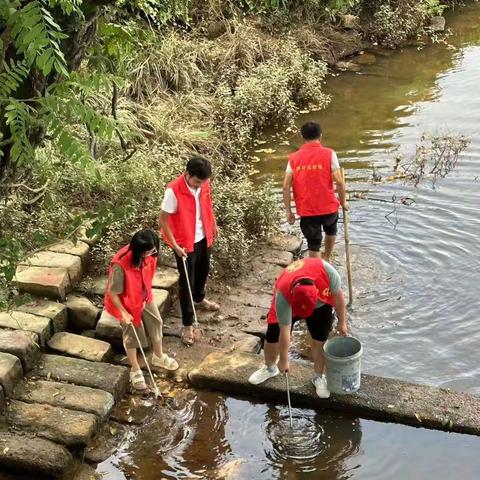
311, 228
319, 325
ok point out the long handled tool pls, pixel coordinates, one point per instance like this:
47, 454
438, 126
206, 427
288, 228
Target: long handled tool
347, 246
197, 332
158, 395
288, 398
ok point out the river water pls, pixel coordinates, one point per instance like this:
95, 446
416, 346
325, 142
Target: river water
416, 272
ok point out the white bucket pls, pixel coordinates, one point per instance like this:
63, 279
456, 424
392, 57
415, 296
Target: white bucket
343, 357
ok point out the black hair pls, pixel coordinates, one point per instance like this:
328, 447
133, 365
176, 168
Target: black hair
143, 241
305, 281
311, 131
199, 167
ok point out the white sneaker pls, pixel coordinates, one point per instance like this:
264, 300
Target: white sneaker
320, 384
262, 374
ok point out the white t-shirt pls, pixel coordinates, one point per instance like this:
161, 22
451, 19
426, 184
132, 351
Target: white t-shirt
335, 164
170, 204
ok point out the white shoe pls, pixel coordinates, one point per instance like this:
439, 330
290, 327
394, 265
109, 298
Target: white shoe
320, 384
262, 374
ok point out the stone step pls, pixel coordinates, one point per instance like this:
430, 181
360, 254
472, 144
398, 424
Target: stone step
287, 243
61, 425
72, 263
162, 299
278, 257
11, 372
106, 442
82, 313
94, 286
42, 326
109, 329
24, 345
104, 376
384, 399
55, 311
82, 347
28, 453
43, 282
79, 249
74, 397
166, 278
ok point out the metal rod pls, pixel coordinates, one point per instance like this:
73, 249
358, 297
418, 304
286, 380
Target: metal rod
347, 244
289, 402
195, 321
157, 393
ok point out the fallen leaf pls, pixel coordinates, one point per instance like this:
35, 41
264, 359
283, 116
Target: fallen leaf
390, 406
113, 431
265, 150
418, 417
55, 394
49, 374
5, 450
130, 419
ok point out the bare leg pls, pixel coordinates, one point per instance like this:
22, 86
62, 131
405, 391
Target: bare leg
329, 244
318, 357
157, 348
270, 351
313, 254
132, 358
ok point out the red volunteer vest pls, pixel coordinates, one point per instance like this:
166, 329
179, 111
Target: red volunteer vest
182, 222
304, 268
136, 280
313, 189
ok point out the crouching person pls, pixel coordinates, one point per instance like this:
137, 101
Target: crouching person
307, 289
129, 299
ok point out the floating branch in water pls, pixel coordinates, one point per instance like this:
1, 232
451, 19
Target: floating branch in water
435, 157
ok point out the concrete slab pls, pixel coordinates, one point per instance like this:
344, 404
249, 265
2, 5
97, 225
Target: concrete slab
379, 398
11, 372
82, 347
106, 442
288, 243
82, 313
42, 326
162, 299
104, 376
28, 453
166, 278
55, 311
79, 249
109, 329
278, 257
24, 345
72, 263
67, 427
43, 281
74, 397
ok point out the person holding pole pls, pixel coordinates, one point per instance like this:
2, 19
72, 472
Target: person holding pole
311, 173
188, 226
307, 289
128, 298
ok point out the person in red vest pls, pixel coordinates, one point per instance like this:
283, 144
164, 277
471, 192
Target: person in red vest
189, 227
307, 289
128, 298
311, 172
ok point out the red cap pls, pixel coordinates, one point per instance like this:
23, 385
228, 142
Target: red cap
304, 299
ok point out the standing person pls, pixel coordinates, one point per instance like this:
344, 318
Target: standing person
189, 227
129, 299
307, 289
311, 172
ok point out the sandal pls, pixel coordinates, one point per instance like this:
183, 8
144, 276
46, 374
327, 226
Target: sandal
188, 338
208, 305
137, 381
166, 362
